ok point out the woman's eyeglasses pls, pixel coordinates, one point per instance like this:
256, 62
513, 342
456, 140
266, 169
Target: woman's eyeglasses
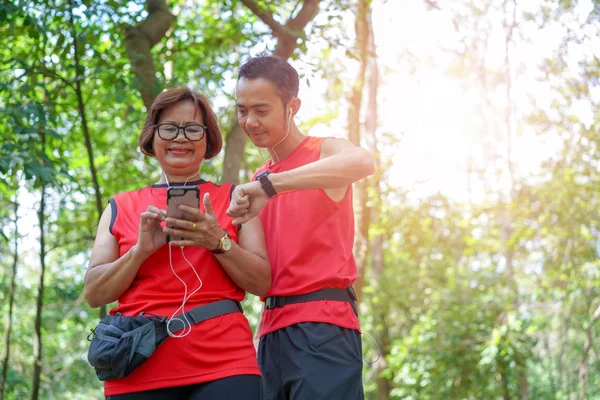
168, 131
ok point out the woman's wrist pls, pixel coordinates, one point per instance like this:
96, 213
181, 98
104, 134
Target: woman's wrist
217, 239
138, 254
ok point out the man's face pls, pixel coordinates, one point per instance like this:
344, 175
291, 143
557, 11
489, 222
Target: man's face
260, 112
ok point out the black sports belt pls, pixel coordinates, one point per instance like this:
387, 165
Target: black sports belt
348, 295
119, 344
202, 313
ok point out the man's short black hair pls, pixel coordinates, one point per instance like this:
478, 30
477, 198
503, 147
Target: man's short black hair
277, 71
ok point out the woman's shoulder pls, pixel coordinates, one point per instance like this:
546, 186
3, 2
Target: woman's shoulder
136, 194
218, 191
216, 187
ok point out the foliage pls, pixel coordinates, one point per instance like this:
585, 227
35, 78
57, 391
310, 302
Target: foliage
477, 299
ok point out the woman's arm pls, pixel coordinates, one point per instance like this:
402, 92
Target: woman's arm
246, 262
108, 275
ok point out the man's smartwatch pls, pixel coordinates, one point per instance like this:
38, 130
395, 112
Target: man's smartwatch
265, 183
225, 244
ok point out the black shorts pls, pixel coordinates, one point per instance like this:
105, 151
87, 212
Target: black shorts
239, 387
311, 361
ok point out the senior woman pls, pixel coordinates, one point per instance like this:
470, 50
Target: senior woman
210, 260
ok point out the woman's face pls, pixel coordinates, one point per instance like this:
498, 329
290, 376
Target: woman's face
180, 157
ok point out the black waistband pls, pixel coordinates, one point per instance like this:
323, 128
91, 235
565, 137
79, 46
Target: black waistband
348, 295
202, 313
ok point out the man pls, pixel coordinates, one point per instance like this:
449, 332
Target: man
310, 346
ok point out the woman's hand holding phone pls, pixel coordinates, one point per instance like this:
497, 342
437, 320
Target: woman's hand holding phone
198, 229
176, 197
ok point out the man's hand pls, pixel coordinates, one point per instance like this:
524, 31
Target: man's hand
247, 201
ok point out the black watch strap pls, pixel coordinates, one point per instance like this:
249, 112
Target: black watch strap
266, 184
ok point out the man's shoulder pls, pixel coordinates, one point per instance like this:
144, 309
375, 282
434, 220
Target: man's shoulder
326, 146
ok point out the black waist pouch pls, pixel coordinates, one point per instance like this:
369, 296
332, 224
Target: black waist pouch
119, 344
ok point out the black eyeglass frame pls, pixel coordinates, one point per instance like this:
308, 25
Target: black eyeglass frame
185, 133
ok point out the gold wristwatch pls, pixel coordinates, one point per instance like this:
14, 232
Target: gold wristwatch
225, 244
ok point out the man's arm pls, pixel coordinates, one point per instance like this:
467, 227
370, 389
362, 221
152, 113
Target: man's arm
340, 164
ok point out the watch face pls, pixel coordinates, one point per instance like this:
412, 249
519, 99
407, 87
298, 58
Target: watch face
227, 243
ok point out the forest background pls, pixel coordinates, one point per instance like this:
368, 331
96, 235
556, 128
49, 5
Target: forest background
477, 239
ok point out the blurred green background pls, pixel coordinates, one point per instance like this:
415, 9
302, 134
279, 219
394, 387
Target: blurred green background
477, 239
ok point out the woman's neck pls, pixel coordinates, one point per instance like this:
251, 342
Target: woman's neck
169, 178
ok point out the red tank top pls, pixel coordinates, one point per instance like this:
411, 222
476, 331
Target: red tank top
309, 240
216, 348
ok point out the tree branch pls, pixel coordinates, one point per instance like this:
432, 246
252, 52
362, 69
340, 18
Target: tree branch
139, 41
307, 13
433, 5
295, 8
158, 22
294, 27
595, 316
287, 37
45, 70
266, 16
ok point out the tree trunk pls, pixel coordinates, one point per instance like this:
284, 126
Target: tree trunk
11, 301
562, 356
79, 77
140, 39
551, 372
507, 228
523, 384
37, 333
362, 211
589, 343
504, 379
384, 385
287, 40
235, 142
509, 24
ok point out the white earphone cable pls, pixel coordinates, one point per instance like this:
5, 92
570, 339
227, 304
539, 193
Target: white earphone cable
285, 137
187, 326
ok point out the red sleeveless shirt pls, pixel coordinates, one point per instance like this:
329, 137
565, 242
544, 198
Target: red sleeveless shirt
214, 349
309, 240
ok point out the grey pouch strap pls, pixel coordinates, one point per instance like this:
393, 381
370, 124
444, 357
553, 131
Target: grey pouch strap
202, 313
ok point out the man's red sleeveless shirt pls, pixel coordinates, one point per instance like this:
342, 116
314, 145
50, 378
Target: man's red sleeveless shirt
309, 240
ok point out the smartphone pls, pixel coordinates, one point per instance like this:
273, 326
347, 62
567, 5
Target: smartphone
178, 195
